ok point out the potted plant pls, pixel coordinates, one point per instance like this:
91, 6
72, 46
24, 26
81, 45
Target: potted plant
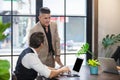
4, 64
108, 42
93, 63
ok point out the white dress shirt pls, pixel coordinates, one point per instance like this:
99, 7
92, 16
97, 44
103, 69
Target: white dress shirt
32, 61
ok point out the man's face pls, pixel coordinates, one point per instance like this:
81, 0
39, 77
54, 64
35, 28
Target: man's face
45, 19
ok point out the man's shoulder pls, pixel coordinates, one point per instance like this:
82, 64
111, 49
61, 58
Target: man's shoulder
28, 50
53, 24
36, 26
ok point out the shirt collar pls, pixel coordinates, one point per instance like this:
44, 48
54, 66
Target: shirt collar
34, 51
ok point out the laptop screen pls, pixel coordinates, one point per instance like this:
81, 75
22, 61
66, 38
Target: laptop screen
78, 64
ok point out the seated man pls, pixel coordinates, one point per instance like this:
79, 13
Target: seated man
29, 64
116, 55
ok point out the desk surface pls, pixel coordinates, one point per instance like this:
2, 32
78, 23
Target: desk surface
85, 75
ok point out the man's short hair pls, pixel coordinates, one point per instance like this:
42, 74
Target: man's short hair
36, 39
44, 10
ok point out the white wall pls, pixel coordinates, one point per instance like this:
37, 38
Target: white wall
108, 20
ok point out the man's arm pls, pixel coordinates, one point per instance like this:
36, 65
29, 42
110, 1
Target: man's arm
51, 68
118, 67
55, 73
58, 60
57, 46
32, 61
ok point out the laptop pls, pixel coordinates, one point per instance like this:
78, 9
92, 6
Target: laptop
108, 65
76, 68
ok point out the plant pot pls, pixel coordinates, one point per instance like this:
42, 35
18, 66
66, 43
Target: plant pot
94, 70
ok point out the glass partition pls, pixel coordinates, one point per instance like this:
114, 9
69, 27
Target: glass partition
24, 7
5, 7
21, 28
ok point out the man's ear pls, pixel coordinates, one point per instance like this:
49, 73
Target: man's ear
39, 17
41, 44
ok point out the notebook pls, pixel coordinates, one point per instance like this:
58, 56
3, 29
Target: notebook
76, 68
108, 65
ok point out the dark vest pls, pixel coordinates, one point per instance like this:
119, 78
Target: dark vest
21, 72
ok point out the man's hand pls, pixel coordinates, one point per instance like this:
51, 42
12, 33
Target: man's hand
65, 69
118, 67
57, 59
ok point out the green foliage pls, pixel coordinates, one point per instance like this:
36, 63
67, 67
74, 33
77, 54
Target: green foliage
84, 49
4, 70
4, 64
3, 27
93, 62
110, 40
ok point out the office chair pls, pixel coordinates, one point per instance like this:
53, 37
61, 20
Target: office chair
14, 76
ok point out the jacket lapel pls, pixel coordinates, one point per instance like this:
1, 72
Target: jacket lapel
42, 30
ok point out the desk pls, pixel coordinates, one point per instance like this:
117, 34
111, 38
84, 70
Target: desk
85, 75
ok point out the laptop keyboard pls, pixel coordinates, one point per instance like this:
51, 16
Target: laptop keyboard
70, 75
73, 75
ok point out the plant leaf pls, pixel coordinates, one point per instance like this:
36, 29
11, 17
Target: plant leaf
93, 62
3, 27
83, 49
4, 70
110, 40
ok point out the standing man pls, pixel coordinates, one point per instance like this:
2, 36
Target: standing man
51, 50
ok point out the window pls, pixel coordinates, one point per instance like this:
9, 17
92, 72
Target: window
70, 15
21, 15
